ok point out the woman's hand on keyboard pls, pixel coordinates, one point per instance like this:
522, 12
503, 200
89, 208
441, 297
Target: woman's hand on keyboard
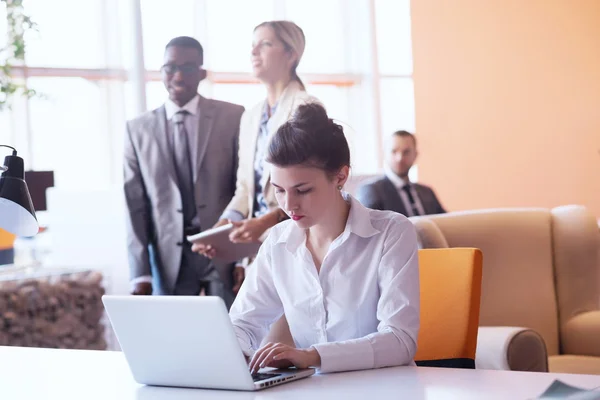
278, 355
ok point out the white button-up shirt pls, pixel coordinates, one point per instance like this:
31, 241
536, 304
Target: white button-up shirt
360, 311
191, 123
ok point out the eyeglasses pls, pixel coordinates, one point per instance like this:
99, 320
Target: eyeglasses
185, 69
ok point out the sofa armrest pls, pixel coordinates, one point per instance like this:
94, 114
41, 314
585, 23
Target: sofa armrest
429, 235
581, 335
510, 348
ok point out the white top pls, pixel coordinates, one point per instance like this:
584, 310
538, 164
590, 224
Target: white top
399, 183
191, 123
191, 106
361, 311
52, 374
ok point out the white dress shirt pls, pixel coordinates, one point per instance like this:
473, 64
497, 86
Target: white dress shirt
399, 183
191, 127
191, 123
360, 311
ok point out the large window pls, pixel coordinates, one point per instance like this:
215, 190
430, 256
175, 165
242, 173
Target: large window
327, 47
77, 134
357, 61
228, 33
160, 23
72, 35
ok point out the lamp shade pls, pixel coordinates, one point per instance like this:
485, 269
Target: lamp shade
17, 214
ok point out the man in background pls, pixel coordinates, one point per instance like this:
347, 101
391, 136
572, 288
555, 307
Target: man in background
394, 191
179, 175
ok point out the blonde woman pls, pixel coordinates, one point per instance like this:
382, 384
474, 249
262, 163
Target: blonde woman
276, 52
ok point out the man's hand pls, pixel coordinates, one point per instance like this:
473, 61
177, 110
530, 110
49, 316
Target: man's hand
238, 278
142, 288
278, 355
248, 230
205, 249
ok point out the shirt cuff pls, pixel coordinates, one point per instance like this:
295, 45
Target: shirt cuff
232, 215
349, 355
244, 263
140, 279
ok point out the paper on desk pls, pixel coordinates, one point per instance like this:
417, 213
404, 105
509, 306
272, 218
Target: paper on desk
560, 390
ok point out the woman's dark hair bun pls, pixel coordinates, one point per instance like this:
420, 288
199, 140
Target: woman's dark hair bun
310, 115
310, 137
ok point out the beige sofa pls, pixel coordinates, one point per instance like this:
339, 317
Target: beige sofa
541, 279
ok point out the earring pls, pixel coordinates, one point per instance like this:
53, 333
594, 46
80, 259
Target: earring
339, 187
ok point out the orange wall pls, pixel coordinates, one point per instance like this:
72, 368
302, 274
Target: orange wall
507, 99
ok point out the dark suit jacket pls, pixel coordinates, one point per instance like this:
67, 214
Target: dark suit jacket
381, 194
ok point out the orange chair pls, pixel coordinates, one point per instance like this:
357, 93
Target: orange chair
450, 296
7, 241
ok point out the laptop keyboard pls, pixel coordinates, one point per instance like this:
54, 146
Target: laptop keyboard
260, 377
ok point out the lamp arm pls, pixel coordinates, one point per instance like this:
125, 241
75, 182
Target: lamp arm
4, 168
10, 147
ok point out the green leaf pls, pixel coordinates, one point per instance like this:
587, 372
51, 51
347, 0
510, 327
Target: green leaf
19, 23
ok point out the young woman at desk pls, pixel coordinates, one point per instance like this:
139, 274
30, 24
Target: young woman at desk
345, 276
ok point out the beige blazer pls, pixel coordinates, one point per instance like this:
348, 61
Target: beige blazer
243, 200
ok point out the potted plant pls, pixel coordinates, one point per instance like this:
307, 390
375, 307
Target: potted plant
13, 54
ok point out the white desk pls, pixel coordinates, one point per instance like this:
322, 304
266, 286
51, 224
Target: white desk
36, 374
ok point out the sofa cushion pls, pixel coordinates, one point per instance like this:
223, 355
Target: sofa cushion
570, 364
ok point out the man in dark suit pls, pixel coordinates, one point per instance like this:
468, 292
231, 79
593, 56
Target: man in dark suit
179, 175
394, 191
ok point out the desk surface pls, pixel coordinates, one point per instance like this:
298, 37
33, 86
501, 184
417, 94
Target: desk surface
29, 373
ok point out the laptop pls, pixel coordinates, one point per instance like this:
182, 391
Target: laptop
186, 341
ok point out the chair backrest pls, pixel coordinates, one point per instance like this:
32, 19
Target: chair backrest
450, 297
7, 240
518, 287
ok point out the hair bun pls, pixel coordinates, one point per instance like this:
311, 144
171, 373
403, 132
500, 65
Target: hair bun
311, 138
311, 115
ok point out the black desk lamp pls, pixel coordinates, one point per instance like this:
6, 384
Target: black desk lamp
17, 215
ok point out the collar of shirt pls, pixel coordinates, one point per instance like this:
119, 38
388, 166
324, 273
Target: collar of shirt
191, 106
266, 114
359, 223
396, 180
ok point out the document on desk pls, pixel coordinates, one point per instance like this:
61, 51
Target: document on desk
560, 390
